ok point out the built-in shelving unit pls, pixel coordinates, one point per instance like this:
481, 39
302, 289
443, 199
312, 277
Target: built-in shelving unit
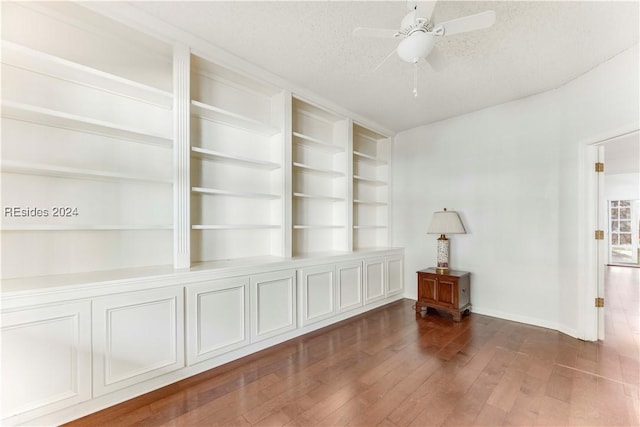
146, 183
319, 179
371, 152
80, 144
270, 174
236, 165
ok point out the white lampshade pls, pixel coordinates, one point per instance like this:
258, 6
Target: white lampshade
446, 222
415, 47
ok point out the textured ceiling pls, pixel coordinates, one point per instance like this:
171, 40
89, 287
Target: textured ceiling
533, 47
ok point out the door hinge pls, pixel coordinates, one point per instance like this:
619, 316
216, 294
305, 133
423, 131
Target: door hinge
599, 167
599, 302
599, 235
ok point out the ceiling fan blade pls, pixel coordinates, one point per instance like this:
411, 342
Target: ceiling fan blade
382, 33
424, 9
383, 61
469, 23
436, 60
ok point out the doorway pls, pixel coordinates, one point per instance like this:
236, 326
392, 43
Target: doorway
622, 198
594, 217
619, 206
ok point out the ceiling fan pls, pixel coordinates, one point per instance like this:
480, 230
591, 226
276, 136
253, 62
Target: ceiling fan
417, 33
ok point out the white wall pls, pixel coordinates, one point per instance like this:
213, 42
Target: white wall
513, 173
622, 186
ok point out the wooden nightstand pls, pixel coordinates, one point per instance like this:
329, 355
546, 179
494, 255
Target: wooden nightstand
449, 292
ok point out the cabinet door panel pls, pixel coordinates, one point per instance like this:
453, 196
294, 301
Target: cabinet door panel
446, 293
46, 359
273, 304
395, 277
428, 288
217, 317
318, 300
137, 336
349, 282
374, 279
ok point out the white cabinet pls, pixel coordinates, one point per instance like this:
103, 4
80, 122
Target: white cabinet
273, 304
317, 294
349, 285
395, 275
374, 279
113, 343
136, 336
327, 290
46, 359
217, 317
383, 277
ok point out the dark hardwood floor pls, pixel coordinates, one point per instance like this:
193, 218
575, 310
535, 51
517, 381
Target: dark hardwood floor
392, 367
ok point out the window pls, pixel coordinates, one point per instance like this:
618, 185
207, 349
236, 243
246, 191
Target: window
622, 246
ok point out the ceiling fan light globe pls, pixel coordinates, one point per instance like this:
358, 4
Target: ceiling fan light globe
415, 47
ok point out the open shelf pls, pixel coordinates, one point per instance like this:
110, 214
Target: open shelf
371, 152
237, 147
316, 226
225, 117
321, 171
368, 181
218, 192
320, 163
311, 142
70, 227
43, 63
369, 202
34, 114
318, 197
76, 173
233, 159
369, 159
233, 226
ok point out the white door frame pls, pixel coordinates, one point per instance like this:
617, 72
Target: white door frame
593, 253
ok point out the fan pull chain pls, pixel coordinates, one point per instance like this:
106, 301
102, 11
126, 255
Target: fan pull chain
415, 79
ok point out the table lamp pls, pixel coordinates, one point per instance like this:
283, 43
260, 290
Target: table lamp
445, 222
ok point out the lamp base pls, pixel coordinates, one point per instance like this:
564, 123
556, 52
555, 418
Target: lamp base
443, 255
